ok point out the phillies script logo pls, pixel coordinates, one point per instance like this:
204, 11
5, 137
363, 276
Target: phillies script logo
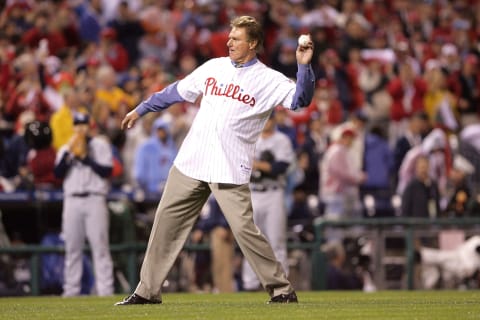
230, 91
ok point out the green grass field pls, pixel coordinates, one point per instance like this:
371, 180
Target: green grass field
409, 305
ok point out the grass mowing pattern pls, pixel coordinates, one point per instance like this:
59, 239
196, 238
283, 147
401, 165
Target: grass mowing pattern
383, 305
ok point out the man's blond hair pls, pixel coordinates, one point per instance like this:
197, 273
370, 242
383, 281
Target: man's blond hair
252, 27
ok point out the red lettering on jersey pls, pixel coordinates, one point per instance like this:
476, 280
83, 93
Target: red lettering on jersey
231, 90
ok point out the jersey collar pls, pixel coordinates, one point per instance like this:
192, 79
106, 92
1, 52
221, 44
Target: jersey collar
246, 64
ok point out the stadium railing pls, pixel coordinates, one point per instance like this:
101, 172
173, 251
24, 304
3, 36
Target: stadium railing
410, 228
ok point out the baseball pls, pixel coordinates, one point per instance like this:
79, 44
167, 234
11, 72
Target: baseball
303, 40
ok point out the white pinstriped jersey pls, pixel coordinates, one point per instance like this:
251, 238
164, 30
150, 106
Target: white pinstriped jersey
235, 105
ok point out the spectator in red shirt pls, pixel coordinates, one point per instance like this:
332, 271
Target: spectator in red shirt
111, 51
444, 25
44, 29
353, 69
7, 53
41, 156
407, 91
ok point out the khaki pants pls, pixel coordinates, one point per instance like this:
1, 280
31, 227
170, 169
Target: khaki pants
181, 202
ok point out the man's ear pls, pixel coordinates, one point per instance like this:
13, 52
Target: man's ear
252, 45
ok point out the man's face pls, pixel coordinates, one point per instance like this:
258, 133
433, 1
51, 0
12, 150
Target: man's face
71, 99
421, 168
348, 140
81, 129
240, 49
416, 125
162, 134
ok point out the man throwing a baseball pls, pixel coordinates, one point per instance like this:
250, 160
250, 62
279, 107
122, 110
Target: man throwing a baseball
238, 94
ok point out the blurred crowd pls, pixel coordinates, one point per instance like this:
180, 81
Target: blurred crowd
396, 81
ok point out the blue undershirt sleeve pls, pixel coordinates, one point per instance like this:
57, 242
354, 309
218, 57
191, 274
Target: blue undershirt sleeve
160, 100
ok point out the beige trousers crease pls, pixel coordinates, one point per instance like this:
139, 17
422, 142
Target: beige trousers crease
177, 212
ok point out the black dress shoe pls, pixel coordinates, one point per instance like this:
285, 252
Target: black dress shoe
136, 299
284, 298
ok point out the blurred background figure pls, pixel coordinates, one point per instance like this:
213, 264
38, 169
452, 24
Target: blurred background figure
274, 155
13, 157
435, 146
61, 121
41, 156
128, 29
111, 52
407, 91
333, 71
340, 180
467, 88
133, 139
111, 101
309, 155
452, 268
440, 104
338, 277
85, 163
154, 158
325, 105
421, 197
378, 166
459, 190
411, 137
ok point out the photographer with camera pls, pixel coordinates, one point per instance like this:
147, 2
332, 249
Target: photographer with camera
273, 156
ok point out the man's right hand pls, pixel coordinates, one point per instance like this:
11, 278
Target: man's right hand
129, 120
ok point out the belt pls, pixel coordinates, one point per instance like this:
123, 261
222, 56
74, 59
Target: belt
86, 194
261, 188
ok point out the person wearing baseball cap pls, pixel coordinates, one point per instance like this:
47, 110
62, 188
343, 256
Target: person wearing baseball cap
81, 118
339, 179
85, 164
